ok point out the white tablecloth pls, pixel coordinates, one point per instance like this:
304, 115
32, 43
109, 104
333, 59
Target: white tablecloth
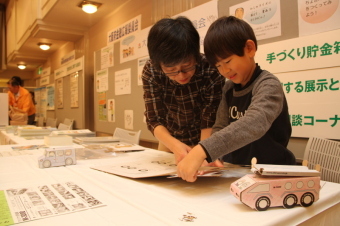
159, 200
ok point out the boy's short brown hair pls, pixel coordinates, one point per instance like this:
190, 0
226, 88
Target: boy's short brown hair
227, 36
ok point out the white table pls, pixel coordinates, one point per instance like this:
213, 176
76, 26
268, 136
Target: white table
160, 201
10, 138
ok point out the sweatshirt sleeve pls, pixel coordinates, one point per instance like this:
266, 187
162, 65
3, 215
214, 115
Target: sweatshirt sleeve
265, 106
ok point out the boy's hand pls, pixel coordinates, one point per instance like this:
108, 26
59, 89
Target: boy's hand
187, 169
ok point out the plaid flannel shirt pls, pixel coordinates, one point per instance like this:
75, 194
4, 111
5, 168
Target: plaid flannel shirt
183, 109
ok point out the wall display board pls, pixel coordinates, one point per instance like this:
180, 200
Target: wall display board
310, 81
69, 92
128, 99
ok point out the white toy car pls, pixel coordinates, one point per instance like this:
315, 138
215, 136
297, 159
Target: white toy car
60, 156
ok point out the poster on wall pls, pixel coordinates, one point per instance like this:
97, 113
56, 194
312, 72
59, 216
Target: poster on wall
37, 101
102, 111
140, 65
43, 102
50, 97
202, 17
45, 80
60, 91
134, 46
128, 28
102, 80
263, 16
128, 122
313, 101
111, 112
74, 90
318, 16
123, 82
303, 53
106, 56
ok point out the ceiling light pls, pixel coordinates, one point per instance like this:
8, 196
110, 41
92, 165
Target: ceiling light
89, 6
22, 66
44, 46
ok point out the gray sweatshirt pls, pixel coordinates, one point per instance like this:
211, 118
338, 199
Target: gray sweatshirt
252, 121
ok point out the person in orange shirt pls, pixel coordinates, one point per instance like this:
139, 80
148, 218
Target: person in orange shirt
20, 98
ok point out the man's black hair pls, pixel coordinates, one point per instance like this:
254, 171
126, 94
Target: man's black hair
172, 41
227, 36
15, 81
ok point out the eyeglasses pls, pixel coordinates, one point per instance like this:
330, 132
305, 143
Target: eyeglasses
171, 74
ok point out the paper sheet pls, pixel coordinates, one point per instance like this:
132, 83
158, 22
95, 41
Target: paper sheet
33, 203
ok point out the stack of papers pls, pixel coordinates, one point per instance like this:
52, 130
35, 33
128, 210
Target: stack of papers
75, 133
91, 140
126, 147
34, 131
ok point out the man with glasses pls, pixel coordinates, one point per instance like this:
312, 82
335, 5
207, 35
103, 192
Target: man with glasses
181, 90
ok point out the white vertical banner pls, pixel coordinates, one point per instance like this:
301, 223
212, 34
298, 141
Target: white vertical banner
131, 26
50, 97
74, 90
60, 92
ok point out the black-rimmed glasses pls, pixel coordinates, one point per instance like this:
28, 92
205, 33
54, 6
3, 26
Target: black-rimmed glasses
171, 74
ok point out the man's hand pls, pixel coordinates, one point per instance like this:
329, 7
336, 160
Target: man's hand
180, 150
187, 169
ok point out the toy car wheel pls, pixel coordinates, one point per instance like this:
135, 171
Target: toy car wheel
69, 161
46, 164
290, 201
307, 199
262, 203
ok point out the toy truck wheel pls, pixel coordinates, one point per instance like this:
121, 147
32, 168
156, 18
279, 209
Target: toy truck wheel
46, 164
69, 161
307, 199
262, 203
290, 201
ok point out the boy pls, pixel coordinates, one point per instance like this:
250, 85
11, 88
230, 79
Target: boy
181, 90
252, 119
